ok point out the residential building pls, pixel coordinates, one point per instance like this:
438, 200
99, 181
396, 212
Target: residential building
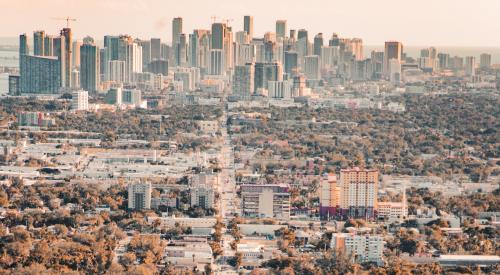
359, 192
139, 196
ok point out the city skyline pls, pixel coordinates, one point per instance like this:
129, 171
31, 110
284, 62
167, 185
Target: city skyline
444, 23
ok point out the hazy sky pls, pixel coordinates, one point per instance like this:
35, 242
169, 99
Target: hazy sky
414, 22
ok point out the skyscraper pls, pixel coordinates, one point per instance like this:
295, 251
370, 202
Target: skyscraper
470, 66
76, 53
248, 25
199, 49
219, 31
243, 80
311, 67
38, 42
66, 34
181, 51
281, 29
357, 48
155, 48
318, 43
176, 30
23, 46
59, 51
176, 33
48, 45
265, 72
89, 67
485, 61
291, 63
393, 50
146, 52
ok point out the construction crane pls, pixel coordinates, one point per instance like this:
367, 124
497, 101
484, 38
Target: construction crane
214, 18
67, 19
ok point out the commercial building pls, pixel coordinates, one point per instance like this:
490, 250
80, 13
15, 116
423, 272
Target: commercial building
281, 29
392, 50
89, 67
265, 201
139, 196
243, 80
248, 25
470, 66
485, 61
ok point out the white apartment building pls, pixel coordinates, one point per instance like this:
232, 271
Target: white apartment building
80, 100
202, 197
139, 196
362, 248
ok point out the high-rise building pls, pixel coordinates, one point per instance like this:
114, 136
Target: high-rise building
146, 52
202, 196
89, 67
38, 42
176, 30
281, 29
470, 66
280, 89
330, 196
393, 50
76, 53
359, 192
80, 100
48, 45
265, 72
14, 82
219, 32
485, 61
443, 60
133, 61
40, 74
248, 25
243, 80
116, 71
291, 63
318, 44
176, 33
199, 49
159, 66
216, 62
23, 44
312, 67
156, 49
60, 52
357, 48
139, 196
181, 51
302, 46
67, 37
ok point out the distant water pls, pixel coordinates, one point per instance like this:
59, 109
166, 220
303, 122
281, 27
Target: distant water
414, 51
